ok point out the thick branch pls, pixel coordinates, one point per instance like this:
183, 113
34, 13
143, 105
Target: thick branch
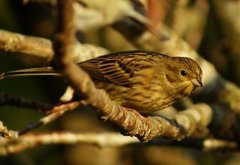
102, 140
15, 42
41, 47
34, 140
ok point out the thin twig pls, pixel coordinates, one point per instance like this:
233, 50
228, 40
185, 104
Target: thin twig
53, 114
19, 101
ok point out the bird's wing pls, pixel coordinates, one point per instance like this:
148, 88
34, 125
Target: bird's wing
112, 70
121, 68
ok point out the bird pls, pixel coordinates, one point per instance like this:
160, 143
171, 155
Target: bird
142, 80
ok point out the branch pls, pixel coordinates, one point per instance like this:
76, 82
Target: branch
6, 134
41, 47
102, 140
18, 101
52, 114
34, 140
15, 42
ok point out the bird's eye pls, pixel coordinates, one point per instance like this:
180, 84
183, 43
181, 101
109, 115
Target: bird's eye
183, 72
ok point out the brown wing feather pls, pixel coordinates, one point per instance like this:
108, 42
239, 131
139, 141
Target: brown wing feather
119, 68
117, 72
109, 70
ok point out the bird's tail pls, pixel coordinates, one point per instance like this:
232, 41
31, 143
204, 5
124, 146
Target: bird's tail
30, 72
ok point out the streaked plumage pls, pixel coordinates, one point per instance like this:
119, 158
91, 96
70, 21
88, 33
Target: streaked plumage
145, 81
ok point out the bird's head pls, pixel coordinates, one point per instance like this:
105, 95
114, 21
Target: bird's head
185, 74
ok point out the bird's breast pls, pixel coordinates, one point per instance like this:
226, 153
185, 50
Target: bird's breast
147, 97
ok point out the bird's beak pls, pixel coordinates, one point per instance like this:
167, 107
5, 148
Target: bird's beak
197, 82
